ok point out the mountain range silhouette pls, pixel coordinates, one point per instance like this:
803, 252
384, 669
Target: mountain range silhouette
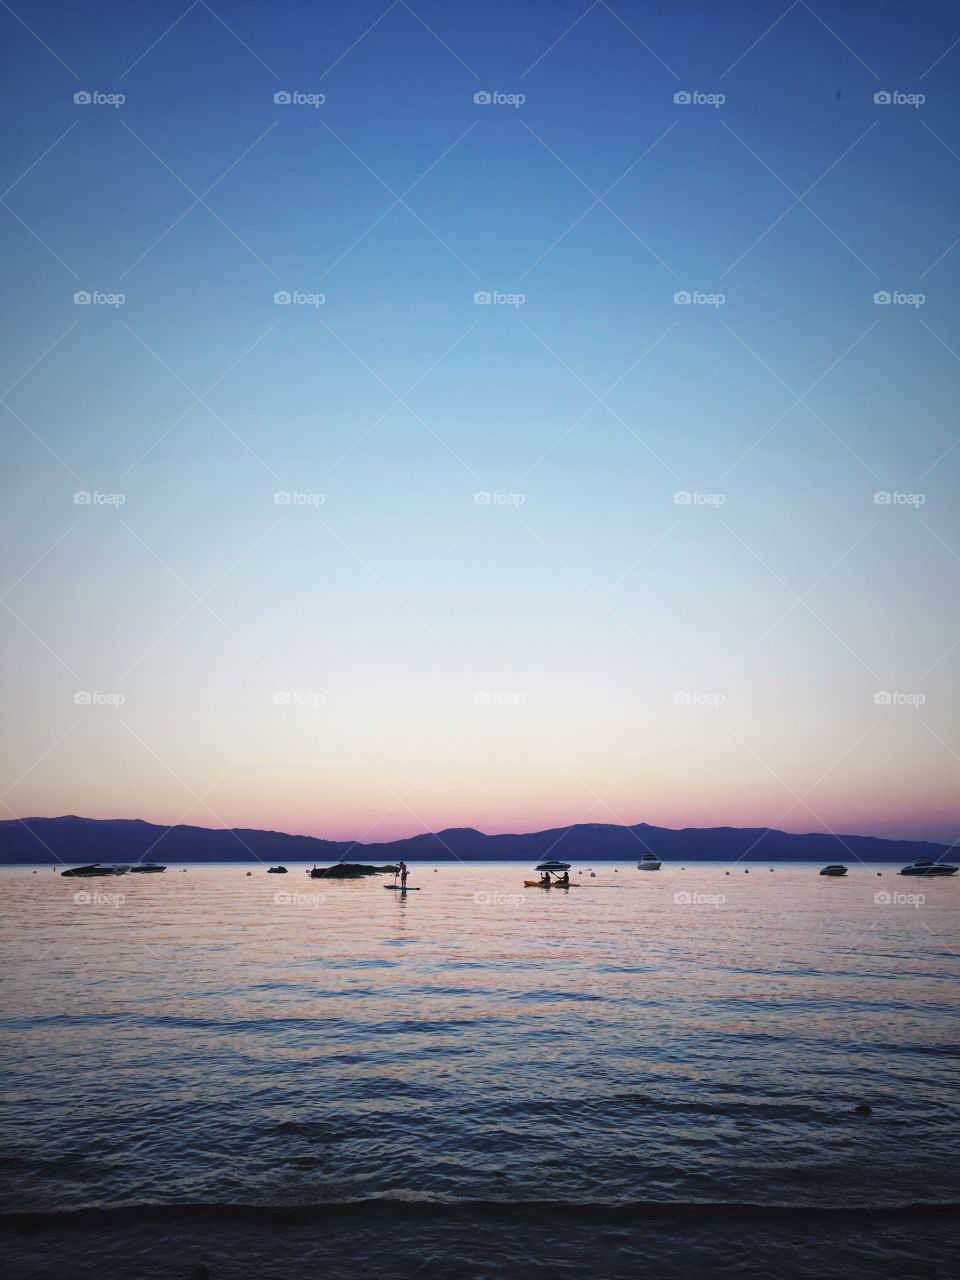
71, 839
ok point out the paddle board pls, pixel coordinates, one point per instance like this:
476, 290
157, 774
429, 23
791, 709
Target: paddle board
410, 888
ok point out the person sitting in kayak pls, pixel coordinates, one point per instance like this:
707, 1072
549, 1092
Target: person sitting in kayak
564, 879
545, 878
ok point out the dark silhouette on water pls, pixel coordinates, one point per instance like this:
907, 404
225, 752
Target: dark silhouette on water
95, 869
349, 870
927, 867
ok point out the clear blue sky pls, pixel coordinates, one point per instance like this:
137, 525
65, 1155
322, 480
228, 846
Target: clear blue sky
398, 655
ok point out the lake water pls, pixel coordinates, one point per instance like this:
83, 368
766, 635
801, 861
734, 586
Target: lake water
652, 1073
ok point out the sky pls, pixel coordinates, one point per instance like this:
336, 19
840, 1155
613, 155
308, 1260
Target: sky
540, 413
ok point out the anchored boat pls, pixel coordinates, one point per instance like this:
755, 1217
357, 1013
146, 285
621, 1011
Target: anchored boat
649, 862
834, 869
95, 869
927, 867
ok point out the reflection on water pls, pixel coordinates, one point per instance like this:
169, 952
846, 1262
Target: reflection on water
681, 1039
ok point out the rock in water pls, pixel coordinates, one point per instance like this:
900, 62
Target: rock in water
347, 871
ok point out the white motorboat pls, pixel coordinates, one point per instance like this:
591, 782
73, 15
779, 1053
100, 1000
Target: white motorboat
927, 867
649, 862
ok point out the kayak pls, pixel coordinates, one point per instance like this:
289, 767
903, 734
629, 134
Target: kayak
538, 884
410, 888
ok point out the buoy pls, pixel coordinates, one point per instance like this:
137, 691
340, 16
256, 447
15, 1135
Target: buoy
249, 873
726, 873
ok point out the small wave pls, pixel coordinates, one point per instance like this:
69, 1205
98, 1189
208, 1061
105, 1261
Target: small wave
843, 1111
319, 1132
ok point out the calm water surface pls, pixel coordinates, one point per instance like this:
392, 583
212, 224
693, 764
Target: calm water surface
653, 1073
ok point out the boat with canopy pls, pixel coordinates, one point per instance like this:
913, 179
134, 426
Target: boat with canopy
551, 867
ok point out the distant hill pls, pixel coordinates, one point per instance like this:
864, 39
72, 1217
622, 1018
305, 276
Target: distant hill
73, 840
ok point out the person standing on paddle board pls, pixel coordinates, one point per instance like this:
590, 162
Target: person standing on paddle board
403, 875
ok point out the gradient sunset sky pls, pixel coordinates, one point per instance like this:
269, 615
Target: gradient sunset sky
589, 553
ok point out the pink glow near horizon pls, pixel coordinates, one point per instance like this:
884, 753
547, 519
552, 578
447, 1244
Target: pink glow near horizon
333, 773
933, 826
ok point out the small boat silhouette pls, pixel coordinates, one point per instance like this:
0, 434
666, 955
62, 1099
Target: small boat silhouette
95, 869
